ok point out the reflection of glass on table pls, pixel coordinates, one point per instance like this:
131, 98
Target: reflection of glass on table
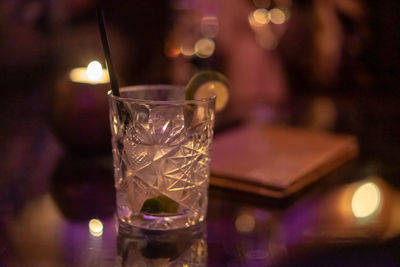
161, 146
172, 248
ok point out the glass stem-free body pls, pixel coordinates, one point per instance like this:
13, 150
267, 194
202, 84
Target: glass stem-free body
161, 146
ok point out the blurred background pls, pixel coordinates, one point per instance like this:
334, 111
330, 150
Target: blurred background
330, 65
325, 64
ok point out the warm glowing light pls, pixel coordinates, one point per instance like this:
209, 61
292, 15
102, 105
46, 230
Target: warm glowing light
366, 200
204, 47
259, 17
95, 227
286, 11
94, 71
277, 16
209, 26
172, 50
245, 223
93, 74
187, 50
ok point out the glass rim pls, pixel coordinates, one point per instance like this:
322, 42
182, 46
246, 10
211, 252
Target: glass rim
157, 87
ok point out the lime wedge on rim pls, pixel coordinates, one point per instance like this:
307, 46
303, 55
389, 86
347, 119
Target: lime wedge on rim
206, 84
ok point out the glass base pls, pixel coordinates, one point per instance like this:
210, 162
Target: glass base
132, 230
162, 223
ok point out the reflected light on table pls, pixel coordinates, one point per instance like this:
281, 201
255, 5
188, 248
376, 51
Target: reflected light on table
366, 200
95, 227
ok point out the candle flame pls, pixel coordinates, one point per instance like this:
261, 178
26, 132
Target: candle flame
92, 74
94, 71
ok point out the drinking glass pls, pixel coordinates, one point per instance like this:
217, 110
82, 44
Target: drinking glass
161, 150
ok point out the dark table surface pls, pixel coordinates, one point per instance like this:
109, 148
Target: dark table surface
48, 197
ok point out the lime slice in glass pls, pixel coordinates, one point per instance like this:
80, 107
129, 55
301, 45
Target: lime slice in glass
160, 204
206, 84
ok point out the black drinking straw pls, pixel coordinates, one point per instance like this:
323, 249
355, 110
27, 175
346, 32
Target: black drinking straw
113, 78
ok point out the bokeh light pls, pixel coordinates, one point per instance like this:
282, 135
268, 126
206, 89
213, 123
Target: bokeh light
187, 49
277, 16
245, 223
95, 227
204, 47
286, 11
92, 74
172, 51
258, 17
366, 200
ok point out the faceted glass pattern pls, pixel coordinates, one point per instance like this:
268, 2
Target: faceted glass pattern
161, 147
